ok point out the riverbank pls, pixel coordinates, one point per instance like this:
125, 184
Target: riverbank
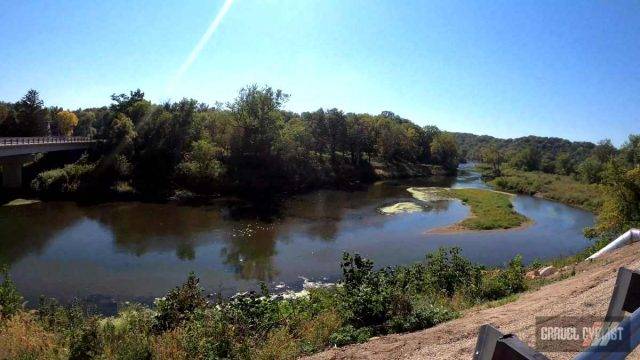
584, 290
186, 324
76, 183
559, 188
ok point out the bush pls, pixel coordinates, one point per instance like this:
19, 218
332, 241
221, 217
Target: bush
69, 179
503, 283
448, 271
86, 344
350, 335
179, 305
10, 299
422, 318
127, 335
366, 295
208, 336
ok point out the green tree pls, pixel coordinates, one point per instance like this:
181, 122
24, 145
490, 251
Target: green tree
590, 170
492, 156
604, 151
631, 150
202, 167
336, 130
621, 208
8, 120
31, 115
564, 164
444, 151
257, 120
527, 159
86, 122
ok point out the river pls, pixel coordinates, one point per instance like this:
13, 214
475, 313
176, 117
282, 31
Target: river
137, 251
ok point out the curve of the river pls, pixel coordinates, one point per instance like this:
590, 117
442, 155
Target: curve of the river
137, 251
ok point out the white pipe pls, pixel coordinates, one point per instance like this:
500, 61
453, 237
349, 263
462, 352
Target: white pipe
627, 238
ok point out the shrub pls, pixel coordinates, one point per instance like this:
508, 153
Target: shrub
448, 271
10, 299
208, 336
127, 335
422, 318
503, 283
69, 179
22, 337
86, 343
350, 335
168, 346
366, 294
179, 304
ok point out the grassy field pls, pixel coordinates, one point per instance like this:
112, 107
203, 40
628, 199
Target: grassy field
560, 188
491, 210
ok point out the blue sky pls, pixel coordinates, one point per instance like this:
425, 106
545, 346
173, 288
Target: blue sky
503, 68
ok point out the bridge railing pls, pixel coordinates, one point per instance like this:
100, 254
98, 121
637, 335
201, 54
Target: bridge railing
12, 141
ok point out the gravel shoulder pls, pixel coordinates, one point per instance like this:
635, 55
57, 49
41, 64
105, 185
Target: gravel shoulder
586, 293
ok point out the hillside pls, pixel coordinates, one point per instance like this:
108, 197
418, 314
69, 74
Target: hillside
586, 293
471, 144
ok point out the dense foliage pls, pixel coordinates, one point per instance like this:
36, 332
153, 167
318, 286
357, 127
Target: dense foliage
598, 177
250, 144
186, 324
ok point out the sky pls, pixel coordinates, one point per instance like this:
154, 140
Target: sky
504, 68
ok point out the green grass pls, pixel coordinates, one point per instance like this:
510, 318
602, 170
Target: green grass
491, 210
564, 189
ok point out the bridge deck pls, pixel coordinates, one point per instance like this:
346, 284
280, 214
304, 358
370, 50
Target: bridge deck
13, 146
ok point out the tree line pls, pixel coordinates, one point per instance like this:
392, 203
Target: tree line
250, 143
616, 171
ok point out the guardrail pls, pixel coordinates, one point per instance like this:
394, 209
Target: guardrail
13, 141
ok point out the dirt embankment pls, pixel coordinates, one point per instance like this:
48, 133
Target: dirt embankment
586, 293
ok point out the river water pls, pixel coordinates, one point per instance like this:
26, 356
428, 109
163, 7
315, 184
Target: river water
137, 251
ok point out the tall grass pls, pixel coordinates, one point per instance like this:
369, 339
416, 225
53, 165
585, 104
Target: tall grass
491, 210
561, 188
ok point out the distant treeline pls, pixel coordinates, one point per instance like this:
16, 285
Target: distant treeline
584, 160
599, 176
248, 145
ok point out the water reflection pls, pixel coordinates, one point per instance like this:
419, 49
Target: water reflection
138, 250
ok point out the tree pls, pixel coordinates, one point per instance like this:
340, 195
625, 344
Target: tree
336, 130
202, 167
31, 115
67, 121
257, 119
604, 151
590, 170
492, 156
120, 135
621, 208
527, 159
631, 150
444, 150
564, 164
8, 120
86, 122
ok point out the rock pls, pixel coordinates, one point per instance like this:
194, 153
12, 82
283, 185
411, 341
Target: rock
547, 271
531, 274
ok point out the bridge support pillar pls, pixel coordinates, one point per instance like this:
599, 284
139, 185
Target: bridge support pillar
12, 170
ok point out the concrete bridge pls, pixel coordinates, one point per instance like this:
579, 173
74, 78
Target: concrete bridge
15, 151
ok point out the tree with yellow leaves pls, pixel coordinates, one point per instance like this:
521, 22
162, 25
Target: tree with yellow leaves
67, 121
